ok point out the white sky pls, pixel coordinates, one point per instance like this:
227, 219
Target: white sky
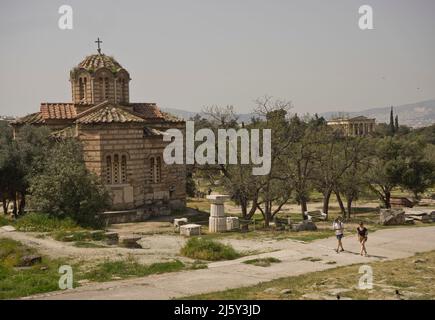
190, 53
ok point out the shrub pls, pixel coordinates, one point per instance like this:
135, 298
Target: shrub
39, 222
206, 249
65, 188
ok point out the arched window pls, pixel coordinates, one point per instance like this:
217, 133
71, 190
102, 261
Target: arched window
109, 170
85, 85
106, 88
152, 161
158, 169
121, 83
101, 87
123, 169
116, 169
82, 88
155, 169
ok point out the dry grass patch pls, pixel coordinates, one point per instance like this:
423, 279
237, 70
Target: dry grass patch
262, 262
412, 277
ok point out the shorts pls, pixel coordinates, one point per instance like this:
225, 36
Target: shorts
339, 236
361, 238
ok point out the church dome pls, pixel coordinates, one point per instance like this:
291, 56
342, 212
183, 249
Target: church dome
99, 78
98, 61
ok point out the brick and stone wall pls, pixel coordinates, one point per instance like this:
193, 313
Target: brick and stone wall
138, 190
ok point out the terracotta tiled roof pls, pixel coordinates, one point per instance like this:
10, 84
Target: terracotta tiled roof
104, 112
150, 132
147, 110
50, 111
97, 61
33, 118
171, 118
108, 114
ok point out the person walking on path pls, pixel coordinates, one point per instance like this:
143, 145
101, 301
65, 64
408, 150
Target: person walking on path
338, 227
362, 233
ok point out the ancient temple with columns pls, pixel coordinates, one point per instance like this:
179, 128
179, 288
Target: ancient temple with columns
122, 141
356, 126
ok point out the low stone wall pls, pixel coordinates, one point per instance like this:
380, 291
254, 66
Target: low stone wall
114, 217
140, 214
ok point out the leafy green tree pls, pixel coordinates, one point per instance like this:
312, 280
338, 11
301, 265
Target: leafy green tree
65, 188
399, 162
337, 154
5, 164
418, 173
20, 159
426, 133
302, 157
351, 184
275, 188
384, 173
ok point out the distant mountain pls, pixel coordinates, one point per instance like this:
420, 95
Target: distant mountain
419, 114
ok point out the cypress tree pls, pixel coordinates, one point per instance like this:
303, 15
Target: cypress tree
396, 123
392, 121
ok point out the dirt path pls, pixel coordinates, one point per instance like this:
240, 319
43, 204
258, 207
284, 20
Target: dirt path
156, 248
382, 245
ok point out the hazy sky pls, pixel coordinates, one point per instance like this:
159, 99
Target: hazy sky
191, 53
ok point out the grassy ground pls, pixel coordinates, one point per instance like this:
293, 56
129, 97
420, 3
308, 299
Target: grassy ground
19, 282
411, 277
44, 276
39, 222
4, 221
115, 270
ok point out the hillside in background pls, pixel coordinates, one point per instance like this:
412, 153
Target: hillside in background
419, 114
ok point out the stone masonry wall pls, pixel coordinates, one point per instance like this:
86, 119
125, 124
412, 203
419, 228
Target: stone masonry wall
102, 140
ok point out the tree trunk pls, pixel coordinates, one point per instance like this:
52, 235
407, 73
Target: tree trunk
5, 204
326, 197
388, 199
266, 220
267, 214
349, 207
22, 204
15, 208
340, 203
244, 207
304, 208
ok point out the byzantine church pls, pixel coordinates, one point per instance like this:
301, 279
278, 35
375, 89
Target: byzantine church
122, 141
